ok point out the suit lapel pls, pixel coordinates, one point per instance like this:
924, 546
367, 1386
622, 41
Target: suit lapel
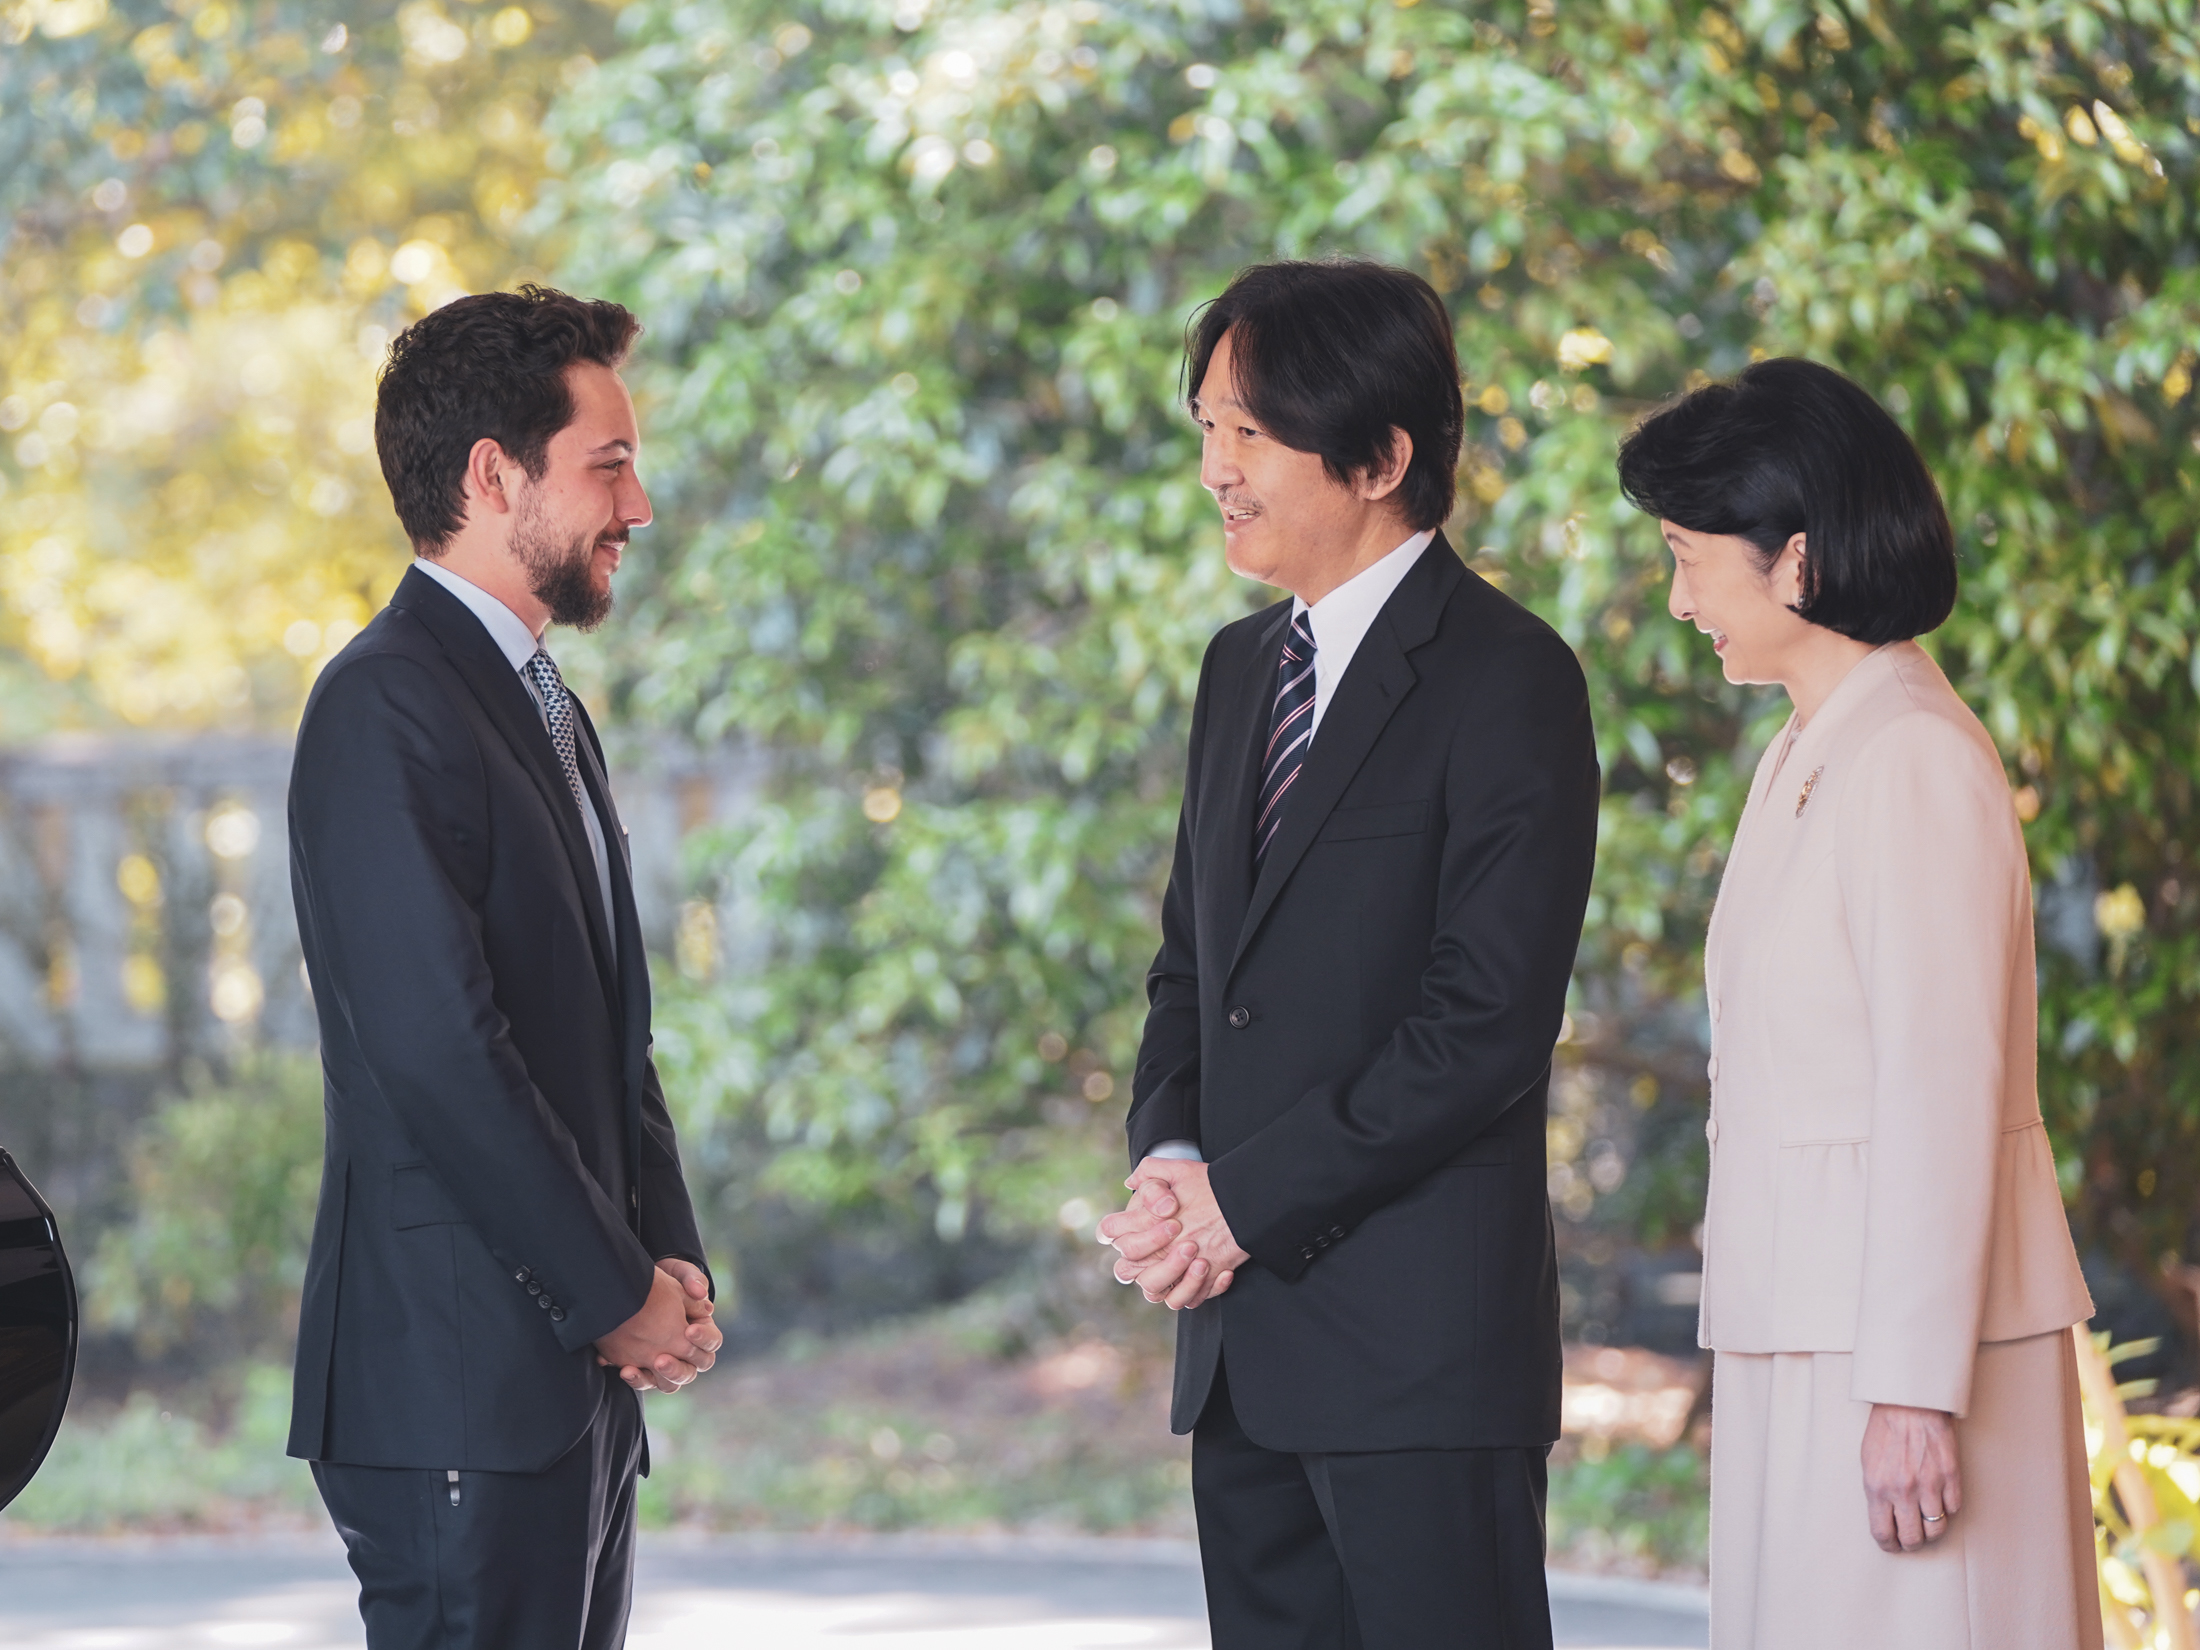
625, 917
478, 659
633, 960
1243, 725
1374, 685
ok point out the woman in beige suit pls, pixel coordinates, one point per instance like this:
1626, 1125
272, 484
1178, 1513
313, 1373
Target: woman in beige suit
1889, 1281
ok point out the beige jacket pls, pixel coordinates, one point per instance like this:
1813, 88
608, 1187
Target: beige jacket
1881, 1183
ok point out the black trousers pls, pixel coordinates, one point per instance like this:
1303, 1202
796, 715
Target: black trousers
1435, 1549
497, 1560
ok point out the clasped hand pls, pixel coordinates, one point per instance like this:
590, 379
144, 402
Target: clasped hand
672, 1339
1171, 1240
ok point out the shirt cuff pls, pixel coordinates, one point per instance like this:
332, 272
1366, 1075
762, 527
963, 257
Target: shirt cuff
1183, 1151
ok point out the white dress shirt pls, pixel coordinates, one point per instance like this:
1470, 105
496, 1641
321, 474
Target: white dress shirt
1340, 621
518, 644
1341, 618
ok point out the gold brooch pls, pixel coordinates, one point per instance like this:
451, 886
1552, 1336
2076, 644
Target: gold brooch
1809, 785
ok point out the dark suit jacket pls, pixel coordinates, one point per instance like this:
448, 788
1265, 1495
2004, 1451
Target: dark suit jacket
500, 1174
1360, 1039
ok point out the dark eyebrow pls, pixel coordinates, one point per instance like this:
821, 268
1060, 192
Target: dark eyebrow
626, 447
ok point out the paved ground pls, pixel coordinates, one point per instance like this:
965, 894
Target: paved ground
760, 1594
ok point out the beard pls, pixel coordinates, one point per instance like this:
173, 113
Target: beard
561, 573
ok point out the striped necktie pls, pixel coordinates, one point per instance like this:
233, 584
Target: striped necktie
1290, 731
557, 714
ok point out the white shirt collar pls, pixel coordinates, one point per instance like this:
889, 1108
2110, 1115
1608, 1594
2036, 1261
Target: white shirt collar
518, 645
1340, 620
514, 640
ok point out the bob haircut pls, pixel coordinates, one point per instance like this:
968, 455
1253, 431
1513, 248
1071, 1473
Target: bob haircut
491, 365
1787, 447
1330, 357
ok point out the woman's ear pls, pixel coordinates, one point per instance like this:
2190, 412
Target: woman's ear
1788, 573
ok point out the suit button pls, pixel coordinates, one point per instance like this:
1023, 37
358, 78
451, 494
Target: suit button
1307, 1253
522, 1275
1240, 1018
1711, 1129
1336, 1231
1322, 1242
534, 1288
557, 1314
544, 1302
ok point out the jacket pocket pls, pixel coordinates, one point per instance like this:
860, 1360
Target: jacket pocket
1391, 819
417, 1198
1489, 1151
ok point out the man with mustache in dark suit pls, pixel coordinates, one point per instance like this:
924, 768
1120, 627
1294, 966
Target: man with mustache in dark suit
1338, 1115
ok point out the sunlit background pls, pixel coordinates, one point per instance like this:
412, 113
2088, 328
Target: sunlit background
899, 680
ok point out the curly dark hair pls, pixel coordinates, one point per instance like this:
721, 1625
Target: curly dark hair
491, 365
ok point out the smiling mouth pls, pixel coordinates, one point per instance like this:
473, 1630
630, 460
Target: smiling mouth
1237, 515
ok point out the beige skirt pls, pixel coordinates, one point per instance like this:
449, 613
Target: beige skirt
1793, 1564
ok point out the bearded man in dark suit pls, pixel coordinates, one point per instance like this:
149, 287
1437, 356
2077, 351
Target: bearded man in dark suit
505, 1245
1337, 1119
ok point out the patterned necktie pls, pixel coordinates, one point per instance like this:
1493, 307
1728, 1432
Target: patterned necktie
1291, 731
557, 711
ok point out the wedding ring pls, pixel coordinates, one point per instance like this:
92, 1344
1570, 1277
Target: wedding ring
1934, 1518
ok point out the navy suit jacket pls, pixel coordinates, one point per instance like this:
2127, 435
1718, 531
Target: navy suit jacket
1359, 1037
500, 1175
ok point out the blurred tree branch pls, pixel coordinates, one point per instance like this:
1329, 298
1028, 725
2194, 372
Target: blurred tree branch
917, 278
211, 218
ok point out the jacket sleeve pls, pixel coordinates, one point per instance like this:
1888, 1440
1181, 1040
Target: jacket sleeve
389, 821
1165, 1084
668, 1213
1520, 806
1931, 868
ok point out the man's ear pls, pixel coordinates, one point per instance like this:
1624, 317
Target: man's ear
1384, 477
484, 483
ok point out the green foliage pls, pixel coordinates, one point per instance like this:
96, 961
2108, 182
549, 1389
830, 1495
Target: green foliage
916, 279
148, 1466
212, 216
1632, 1508
886, 1466
2166, 1450
223, 1181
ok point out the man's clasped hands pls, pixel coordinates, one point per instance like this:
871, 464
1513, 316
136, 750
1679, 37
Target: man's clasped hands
1171, 1240
672, 1339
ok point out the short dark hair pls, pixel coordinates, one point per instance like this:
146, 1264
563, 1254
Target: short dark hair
1331, 356
1786, 447
491, 365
